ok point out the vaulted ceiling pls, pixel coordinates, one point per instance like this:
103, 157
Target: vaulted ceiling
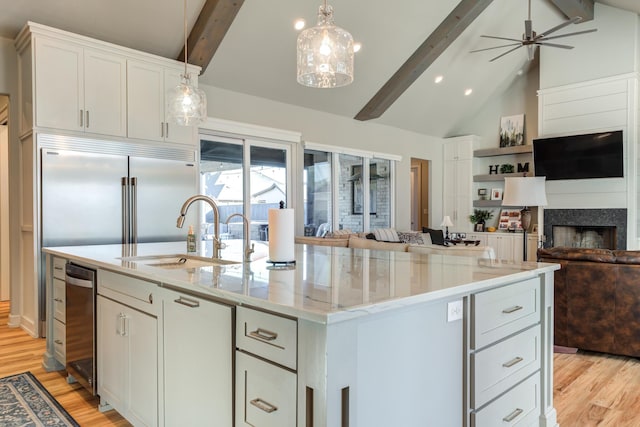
257, 54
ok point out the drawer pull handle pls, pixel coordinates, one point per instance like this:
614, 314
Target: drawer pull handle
512, 309
512, 362
57, 299
263, 334
263, 405
58, 342
191, 303
512, 416
57, 268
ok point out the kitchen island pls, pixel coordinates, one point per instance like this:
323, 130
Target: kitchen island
345, 337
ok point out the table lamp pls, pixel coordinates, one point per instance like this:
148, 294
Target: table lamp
446, 223
524, 191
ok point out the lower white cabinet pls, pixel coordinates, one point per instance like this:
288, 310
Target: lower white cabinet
265, 393
198, 365
127, 342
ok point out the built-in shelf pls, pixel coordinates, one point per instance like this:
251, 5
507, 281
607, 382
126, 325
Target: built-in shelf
487, 203
489, 152
496, 176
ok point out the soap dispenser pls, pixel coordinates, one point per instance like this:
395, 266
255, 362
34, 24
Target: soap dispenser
191, 240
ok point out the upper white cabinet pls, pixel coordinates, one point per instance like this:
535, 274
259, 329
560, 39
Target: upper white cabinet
76, 84
148, 85
458, 165
79, 89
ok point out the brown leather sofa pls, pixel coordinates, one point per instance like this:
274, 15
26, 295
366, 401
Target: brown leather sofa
597, 299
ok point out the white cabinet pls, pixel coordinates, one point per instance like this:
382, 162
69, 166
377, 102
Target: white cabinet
127, 347
59, 310
148, 84
265, 393
79, 89
457, 188
266, 382
198, 365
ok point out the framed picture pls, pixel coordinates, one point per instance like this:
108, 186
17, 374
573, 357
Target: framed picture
496, 194
479, 227
509, 220
482, 193
512, 130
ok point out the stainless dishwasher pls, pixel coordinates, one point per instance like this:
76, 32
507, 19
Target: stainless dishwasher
80, 287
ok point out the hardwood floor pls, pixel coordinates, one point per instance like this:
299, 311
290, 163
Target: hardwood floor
19, 352
590, 389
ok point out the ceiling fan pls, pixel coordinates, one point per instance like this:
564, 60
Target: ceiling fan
531, 39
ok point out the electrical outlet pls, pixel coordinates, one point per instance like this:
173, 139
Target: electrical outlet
454, 310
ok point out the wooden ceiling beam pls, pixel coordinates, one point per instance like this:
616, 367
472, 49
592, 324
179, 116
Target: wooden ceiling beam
439, 40
573, 8
212, 24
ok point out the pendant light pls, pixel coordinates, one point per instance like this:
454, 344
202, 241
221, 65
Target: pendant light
325, 53
186, 104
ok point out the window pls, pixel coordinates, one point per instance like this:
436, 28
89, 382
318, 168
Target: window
237, 188
346, 190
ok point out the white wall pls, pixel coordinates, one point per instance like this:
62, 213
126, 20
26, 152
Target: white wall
610, 51
324, 128
9, 86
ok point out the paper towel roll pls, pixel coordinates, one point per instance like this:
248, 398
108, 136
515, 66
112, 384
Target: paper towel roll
281, 235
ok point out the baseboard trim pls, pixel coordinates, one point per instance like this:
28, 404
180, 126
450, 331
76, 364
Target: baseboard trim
14, 321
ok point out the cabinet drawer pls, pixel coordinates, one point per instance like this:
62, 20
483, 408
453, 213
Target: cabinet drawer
59, 301
265, 393
59, 344
128, 290
500, 312
498, 368
267, 335
519, 407
58, 267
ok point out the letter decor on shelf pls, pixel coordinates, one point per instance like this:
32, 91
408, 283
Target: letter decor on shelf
523, 168
493, 169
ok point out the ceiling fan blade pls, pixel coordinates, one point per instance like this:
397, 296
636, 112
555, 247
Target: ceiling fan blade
528, 30
502, 38
503, 54
495, 47
559, 27
562, 46
567, 35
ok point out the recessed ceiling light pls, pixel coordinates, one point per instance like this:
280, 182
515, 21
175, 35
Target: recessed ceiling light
357, 46
438, 79
299, 24
468, 92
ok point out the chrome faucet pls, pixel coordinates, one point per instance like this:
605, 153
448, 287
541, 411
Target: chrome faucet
248, 250
216, 219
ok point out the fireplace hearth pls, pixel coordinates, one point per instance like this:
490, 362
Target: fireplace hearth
595, 228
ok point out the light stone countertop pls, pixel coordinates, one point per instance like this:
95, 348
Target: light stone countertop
327, 284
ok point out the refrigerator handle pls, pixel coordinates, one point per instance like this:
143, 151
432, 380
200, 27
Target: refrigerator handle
125, 209
134, 210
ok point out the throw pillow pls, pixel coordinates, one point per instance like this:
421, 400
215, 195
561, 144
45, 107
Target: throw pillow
386, 235
437, 236
412, 237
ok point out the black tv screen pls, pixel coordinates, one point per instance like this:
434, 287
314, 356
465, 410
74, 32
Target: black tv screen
595, 155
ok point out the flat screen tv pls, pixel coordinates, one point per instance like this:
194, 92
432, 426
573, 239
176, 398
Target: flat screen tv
595, 155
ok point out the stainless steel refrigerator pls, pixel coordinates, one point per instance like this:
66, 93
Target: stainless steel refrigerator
103, 192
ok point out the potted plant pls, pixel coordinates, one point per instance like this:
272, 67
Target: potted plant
479, 217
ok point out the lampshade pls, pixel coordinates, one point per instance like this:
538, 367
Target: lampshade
524, 191
446, 222
325, 53
186, 104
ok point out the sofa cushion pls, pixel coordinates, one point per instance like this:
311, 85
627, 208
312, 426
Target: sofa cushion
437, 236
627, 257
578, 254
386, 235
411, 237
359, 243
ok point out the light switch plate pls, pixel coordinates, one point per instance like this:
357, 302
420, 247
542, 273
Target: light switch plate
454, 310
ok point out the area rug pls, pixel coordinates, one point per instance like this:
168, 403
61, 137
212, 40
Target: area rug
25, 402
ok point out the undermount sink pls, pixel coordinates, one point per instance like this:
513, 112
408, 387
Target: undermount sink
178, 261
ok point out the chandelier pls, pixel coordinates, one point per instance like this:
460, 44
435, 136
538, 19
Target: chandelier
325, 53
186, 104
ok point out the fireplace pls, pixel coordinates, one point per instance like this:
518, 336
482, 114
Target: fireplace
593, 228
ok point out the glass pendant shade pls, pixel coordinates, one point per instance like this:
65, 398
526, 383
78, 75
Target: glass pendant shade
186, 104
325, 53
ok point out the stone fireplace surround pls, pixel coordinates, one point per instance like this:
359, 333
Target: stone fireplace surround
586, 217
